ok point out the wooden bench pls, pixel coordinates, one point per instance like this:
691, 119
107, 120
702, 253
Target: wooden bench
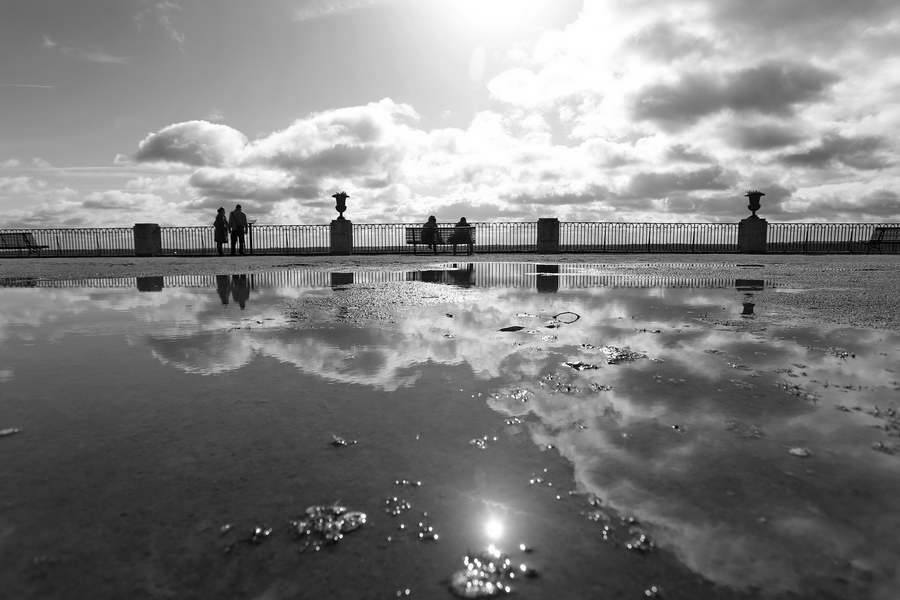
446, 236
20, 241
883, 236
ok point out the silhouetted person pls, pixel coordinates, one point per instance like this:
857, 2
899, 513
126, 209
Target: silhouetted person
240, 290
237, 222
430, 234
220, 225
462, 234
223, 287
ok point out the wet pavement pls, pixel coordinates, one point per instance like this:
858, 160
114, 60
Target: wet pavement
451, 431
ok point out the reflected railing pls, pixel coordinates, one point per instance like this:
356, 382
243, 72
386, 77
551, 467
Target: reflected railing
545, 278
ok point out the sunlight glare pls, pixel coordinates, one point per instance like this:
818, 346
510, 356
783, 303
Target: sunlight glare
493, 528
496, 14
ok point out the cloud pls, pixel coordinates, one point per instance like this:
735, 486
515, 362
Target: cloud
637, 109
660, 185
860, 152
772, 88
684, 153
193, 143
94, 56
263, 185
311, 10
762, 135
119, 200
21, 185
163, 14
878, 204
27, 85
666, 41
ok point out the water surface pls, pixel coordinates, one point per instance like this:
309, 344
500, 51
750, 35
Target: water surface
161, 420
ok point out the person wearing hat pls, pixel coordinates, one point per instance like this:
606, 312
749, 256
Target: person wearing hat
237, 222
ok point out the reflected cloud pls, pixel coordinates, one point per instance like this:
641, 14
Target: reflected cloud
691, 439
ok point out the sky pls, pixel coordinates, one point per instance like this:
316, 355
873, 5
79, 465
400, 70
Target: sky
114, 112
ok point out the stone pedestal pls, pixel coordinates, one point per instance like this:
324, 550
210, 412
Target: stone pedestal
341, 236
548, 236
752, 233
147, 239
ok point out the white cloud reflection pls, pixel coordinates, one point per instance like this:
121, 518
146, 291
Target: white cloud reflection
734, 506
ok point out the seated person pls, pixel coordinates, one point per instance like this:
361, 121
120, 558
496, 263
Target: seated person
431, 236
462, 234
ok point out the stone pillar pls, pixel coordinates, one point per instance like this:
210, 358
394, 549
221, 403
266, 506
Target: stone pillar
150, 284
341, 279
341, 236
548, 236
147, 239
752, 233
547, 279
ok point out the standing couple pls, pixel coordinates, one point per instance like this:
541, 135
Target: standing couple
236, 224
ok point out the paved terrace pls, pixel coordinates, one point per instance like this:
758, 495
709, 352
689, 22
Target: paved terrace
859, 290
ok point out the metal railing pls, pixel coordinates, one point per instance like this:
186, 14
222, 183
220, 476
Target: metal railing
260, 239
648, 237
390, 238
831, 238
81, 241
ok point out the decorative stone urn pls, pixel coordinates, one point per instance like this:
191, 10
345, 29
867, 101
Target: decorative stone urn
754, 196
340, 203
752, 231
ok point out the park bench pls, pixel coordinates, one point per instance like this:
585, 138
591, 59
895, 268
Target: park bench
883, 236
20, 241
446, 236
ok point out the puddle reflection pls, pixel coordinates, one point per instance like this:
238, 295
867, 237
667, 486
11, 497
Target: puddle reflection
691, 436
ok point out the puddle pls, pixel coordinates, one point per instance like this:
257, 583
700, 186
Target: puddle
635, 436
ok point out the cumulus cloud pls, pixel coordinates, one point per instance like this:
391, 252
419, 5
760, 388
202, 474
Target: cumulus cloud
659, 185
774, 88
258, 184
860, 152
193, 143
665, 41
638, 109
762, 135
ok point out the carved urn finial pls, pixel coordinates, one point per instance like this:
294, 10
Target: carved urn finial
340, 203
754, 196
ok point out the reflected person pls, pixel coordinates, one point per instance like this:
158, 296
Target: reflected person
223, 288
240, 290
